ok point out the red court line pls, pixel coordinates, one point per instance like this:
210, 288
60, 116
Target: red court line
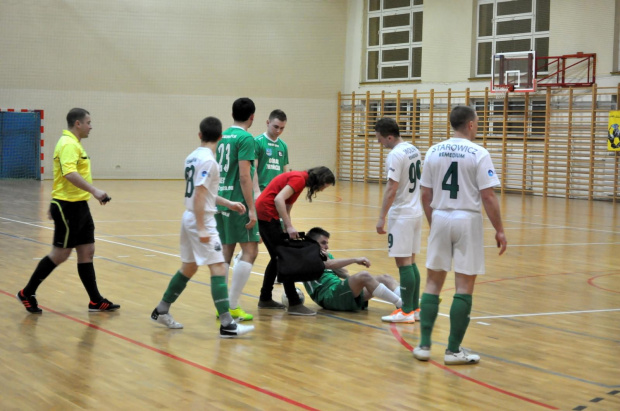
175, 357
591, 282
458, 374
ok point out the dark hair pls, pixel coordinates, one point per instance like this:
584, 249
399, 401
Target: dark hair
387, 127
242, 109
317, 178
279, 114
210, 129
76, 114
460, 116
315, 232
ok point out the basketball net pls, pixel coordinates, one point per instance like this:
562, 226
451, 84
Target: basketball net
499, 92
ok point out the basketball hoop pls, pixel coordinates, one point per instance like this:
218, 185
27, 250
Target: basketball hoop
500, 91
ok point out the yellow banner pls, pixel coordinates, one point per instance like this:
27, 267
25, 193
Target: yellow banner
613, 131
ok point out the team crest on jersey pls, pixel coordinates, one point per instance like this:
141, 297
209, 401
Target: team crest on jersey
491, 173
280, 154
268, 151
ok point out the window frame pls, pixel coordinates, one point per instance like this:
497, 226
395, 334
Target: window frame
412, 67
494, 38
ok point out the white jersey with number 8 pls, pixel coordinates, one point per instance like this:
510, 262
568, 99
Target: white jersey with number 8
457, 169
201, 169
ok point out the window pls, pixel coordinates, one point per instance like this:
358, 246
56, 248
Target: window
394, 40
509, 26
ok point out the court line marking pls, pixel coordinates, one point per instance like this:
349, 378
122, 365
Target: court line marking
401, 340
328, 314
176, 357
550, 313
367, 325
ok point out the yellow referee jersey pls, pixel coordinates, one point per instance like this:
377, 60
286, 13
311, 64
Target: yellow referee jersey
69, 157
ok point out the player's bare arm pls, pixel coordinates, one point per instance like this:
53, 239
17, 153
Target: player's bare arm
200, 199
491, 206
426, 197
231, 205
77, 180
336, 263
388, 199
245, 179
255, 180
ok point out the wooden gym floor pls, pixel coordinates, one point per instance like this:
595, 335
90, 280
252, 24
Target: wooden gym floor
545, 319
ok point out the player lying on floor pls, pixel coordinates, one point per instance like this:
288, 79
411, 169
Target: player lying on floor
336, 290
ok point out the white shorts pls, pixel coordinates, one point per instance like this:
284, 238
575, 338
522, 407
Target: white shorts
404, 236
192, 250
456, 235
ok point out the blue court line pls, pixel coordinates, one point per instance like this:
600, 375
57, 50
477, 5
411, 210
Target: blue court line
532, 367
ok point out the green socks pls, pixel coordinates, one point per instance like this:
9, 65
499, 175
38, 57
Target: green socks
175, 287
219, 292
428, 315
416, 288
459, 320
407, 287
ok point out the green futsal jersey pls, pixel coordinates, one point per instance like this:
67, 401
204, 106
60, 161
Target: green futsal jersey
319, 289
236, 145
271, 157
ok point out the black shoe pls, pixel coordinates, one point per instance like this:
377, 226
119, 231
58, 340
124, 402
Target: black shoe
29, 302
233, 330
103, 305
271, 304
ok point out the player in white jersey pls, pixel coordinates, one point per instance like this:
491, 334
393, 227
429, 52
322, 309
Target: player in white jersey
458, 178
401, 205
200, 241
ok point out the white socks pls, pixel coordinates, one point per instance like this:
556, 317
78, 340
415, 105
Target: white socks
240, 276
386, 294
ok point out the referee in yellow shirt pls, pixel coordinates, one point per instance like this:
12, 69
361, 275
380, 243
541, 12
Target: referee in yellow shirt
73, 224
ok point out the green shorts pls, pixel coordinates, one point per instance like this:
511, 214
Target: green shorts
231, 227
339, 297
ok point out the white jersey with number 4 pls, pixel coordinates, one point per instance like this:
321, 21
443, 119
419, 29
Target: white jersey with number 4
201, 169
457, 169
403, 165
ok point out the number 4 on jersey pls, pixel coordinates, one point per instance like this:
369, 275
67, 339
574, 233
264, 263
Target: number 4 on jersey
453, 175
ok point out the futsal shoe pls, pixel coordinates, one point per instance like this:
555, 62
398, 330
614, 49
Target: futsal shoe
398, 316
461, 357
240, 315
416, 314
422, 353
103, 305
30, 303
165, 319
233, 330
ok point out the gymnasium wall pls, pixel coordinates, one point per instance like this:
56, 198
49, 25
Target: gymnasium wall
449, 39
150, 70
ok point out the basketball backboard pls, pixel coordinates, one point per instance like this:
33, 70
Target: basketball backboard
513, 72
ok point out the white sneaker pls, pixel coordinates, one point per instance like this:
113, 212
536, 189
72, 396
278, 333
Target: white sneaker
422, 353
416, 314
399, 316
233, 330
165, 319
461, 357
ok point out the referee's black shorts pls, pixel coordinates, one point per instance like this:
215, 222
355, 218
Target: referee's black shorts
73, 224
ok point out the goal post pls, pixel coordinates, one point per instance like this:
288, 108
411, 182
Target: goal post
21, 142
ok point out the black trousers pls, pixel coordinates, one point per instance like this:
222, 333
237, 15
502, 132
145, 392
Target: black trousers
271, 233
